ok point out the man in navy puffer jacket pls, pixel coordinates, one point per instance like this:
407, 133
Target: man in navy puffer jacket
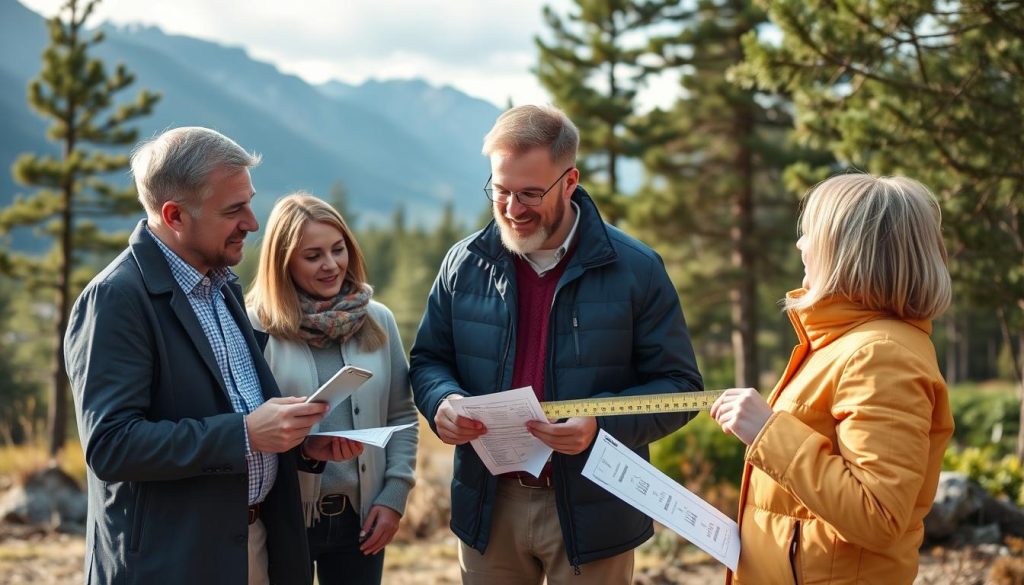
549, 296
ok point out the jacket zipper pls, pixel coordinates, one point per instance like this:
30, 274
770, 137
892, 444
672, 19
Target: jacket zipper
575, 558
497, 388
504, 355
794, 547
576, 334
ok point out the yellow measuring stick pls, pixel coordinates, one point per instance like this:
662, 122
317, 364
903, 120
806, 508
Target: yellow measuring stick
646, 404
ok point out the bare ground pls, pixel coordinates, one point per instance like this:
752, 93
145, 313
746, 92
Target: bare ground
425, 552
40, 557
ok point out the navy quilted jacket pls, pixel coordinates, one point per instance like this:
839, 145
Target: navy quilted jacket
616, 328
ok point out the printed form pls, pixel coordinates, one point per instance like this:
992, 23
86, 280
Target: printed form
378, 437
507, 446
638, 483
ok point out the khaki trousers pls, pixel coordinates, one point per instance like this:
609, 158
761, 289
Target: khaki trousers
258, 558
526, 545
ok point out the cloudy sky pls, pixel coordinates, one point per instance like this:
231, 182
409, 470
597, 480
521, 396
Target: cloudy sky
482, 47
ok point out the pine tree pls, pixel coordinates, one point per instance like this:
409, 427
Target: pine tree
717, 195
933, 90
76, 93
338, 197
594, 66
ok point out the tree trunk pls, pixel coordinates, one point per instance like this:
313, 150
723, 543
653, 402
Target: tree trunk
952, 343
57, 413
963, 348
1018, 371
1018, 368
743, 295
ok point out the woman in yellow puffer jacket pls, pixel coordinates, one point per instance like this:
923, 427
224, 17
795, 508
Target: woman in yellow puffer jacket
843, 459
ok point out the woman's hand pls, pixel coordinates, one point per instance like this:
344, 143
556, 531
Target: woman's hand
324, 448
379, 528
741, 412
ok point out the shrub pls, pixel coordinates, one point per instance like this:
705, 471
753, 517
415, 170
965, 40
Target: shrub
704, 460
999, 476
986, 417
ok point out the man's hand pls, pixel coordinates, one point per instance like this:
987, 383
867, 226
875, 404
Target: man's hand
331, 448
453, 429
571, 437
741, 412
379, 528
280, 424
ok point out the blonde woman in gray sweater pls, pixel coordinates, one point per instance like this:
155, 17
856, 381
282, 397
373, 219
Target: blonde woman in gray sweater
310, 295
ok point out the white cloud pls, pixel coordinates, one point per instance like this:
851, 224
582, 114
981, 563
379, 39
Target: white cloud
484, 48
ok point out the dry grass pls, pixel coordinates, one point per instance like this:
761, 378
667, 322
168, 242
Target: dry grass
425, 551
18, 461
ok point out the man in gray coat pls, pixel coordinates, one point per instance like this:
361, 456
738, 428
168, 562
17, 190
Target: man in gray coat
191, 452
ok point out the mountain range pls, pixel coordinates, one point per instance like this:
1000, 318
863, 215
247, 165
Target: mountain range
391, 143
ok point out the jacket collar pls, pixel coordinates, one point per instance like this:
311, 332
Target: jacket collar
834, 316
156, 274
593, 243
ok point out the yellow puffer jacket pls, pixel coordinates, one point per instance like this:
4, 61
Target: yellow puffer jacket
837, 483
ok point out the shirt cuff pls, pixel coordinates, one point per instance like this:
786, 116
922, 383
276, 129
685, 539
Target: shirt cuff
245, 433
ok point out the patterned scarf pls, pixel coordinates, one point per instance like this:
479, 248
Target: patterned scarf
334, 320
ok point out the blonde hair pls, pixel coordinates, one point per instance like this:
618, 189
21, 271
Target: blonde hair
876, 241
524, 128
273, 295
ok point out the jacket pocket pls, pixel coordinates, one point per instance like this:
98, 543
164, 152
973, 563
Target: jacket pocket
576, 335
794, 553
138, 512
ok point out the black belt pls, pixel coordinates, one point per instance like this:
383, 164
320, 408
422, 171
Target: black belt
254, 513
332, 505
528, 481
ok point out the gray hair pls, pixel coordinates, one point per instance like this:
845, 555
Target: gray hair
524, 128
176, 165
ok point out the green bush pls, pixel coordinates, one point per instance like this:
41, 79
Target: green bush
999, 476
986, 416
700, 448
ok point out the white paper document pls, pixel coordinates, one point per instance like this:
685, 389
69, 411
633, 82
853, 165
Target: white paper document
377, 437
638, 483
507, 446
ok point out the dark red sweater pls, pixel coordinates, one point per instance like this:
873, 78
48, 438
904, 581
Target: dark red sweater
535, 295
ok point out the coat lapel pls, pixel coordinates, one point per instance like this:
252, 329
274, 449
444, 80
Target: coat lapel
160, 282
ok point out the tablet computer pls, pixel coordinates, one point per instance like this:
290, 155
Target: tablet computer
340, 386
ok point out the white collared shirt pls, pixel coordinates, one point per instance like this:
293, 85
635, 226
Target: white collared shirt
542, 261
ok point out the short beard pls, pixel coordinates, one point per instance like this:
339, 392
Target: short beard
521, 246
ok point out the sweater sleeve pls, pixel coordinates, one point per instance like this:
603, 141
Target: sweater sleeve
866, 485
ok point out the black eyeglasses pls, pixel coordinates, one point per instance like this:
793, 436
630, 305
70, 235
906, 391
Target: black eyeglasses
527, 198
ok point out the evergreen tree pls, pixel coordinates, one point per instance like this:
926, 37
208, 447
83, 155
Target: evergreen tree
930, 89
594, 66
76, 93
338, 197
717, 195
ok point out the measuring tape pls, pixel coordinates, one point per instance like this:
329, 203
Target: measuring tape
646, 404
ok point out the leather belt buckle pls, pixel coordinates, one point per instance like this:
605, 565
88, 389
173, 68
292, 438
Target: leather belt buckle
254, 513
332, 505
537, 483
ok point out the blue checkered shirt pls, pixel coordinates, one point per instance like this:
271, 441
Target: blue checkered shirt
206, 295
